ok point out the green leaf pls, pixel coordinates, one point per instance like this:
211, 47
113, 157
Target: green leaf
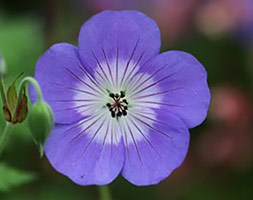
11, 177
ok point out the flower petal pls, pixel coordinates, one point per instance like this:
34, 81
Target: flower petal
183, 86
152, 159
59, 72
120, 39
84, 159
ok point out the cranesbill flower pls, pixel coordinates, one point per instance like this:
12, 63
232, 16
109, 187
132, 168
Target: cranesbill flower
119, 105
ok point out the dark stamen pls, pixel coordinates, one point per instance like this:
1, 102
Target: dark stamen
119, 114
125, 101
119, 106
111, 95
113, 114
124, 112
122, 94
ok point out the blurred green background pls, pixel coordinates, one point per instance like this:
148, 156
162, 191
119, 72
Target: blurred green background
219, 33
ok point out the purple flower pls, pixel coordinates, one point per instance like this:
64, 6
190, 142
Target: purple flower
119, 105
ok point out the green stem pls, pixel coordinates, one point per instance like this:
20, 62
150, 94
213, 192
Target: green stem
104, 192
5, 136
35, 84
2, 91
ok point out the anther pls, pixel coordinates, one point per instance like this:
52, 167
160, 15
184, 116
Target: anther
113, 114
108, 105
125, 101
116, 95
111, 95
124, 112
122, 94
119, 114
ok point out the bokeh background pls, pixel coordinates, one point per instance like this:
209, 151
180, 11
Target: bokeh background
219, 164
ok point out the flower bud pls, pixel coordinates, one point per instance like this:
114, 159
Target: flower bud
40, 121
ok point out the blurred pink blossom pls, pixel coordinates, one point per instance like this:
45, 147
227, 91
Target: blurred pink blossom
229, 142
231, 106
222, 147
219, 17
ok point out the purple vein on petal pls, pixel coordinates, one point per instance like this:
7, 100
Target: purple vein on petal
66, 132
102, 77
74, 100
144, 112
160, 103
157, 93
108, 66
145, 138
153, 84
151, 127
101, 68
151, 119
83, 121
91, 78
87, 110
92, 139
146, 72
117, 64
74, 89
130, 76
94, 122
134, 141
83, 69
126, 142
112, 134
78, 78
77, 108
128, 62
103, 144
139, 70
138, 85
73, 108
96, 72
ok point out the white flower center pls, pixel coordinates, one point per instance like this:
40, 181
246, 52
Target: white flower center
118, 101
